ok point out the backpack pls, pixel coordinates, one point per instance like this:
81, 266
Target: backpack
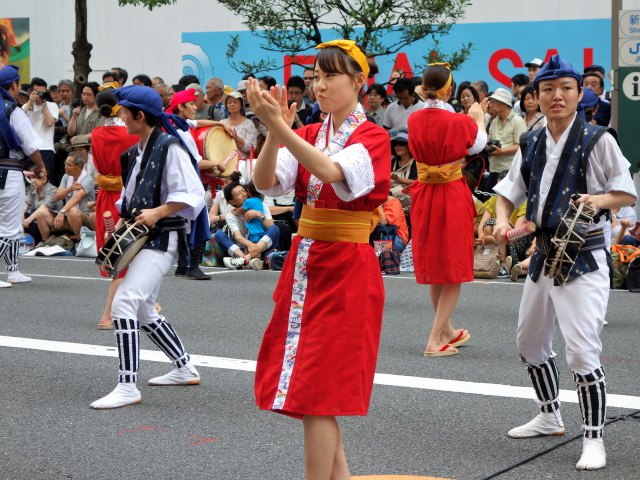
486, 261
622, 256
633, 276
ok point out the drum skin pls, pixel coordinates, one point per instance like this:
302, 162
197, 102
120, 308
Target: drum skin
215, 145
122, 247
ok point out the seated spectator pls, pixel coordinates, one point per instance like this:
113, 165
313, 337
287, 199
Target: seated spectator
521, 268
530, 109
391, 213
397, 113
295, 93
76, 188
244, 252
217, 220
282, 209
40, 193
377, 96
622, 221
404, 170
82, 145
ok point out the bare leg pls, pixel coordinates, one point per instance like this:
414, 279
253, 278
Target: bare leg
340, 469
321, 442
442, 331
105, 320
44, 220
74, 217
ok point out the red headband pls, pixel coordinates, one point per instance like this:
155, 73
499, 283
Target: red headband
184, 96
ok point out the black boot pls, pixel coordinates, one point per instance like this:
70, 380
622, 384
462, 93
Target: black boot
194, 272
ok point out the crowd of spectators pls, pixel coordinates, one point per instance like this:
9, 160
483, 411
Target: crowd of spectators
248, 231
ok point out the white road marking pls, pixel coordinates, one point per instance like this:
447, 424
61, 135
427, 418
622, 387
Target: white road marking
442, 385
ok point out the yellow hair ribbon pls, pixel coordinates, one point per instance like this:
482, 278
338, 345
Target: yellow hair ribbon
443, 91
115, 109
351, 49
106, 86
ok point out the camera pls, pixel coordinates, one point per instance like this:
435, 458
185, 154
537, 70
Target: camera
492, 145
45, 96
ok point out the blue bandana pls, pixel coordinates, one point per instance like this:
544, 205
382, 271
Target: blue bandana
8, 75
556, 68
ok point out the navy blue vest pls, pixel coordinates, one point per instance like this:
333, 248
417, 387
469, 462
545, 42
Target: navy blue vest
7, 108
570, 178
148, 186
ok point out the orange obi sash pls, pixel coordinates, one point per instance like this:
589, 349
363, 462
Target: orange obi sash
110, 183
446, 173
332, 225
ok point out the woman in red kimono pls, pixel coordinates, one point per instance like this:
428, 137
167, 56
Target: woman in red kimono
319, 352
108, 142
442, 210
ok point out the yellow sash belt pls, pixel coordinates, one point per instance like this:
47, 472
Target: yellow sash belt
332, 225
439, 173
110, 183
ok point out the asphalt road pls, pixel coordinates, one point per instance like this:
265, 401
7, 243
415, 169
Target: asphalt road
444, 417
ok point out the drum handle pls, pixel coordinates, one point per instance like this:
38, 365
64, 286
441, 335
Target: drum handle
513, 234
108, 223
228, 159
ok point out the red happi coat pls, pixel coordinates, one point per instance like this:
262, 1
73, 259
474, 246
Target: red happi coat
337, 290
442, 215
107, 144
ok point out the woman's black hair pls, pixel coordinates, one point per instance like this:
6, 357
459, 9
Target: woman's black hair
527, 90
106, 100
379, 89
473, 91
269, 81
93, 86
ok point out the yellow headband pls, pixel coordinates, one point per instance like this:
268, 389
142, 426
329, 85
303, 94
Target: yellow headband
115, 109
104, 86
443, 91
351, 49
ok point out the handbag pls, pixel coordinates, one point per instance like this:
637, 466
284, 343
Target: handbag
86, 247
486, 261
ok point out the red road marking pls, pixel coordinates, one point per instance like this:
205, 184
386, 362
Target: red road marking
202, 440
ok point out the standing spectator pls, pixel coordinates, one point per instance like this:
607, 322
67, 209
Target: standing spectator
530, 108
188, 80
506, 129
397, 113
267, 82
595, 82
55, 94
65, 88
215, 92
295, 92
142, 80
482, 88
110, 77
467, 96
155, 81
163, 91
245, 132
600, 71
518, 82
395, 75
377, 97
85, 119
532, 68
43, 114
122, 74
202, 109
308, 77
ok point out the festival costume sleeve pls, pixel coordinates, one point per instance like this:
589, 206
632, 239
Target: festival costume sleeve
28, 137
180, 183
286, 173
609, 167
512, 186
190, 143
480, 142
357, 166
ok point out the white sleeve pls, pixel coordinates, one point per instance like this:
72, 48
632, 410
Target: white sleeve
609, 169
286, 174
28, 137
233, 222
478, 145
180, 183
358, 172
266, 210
53, 110
512, 187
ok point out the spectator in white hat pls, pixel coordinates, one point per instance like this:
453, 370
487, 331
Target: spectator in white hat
532, 67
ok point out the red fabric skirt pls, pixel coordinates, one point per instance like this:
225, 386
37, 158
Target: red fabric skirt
106, 202
319, 352
442, 222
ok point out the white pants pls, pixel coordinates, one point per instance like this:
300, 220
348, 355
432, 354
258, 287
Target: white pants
12, 199
137, 294
579, 307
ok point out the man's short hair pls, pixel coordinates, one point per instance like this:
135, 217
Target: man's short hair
520, 79
187, 79
112, 74
228, 190
78, 159
159, 79
66, 82
122, 73
37, 82
142, 78
296, 82
403, 84
594, 75
377, 88
481, 86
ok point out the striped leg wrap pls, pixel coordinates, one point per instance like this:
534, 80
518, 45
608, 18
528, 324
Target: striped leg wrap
545, 382
592, 394
128, 340
9, 250
166, 339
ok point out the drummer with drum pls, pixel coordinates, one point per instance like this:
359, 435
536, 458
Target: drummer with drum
161, 191
567, 157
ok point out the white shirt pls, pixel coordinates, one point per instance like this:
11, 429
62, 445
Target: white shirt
189, 141
28, 137
36, 115
396, 115
180, 183
607, 170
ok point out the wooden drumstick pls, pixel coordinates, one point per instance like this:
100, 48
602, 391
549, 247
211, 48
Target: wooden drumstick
515, 233
108, 222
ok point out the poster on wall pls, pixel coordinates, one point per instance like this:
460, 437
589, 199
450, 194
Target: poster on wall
15, 45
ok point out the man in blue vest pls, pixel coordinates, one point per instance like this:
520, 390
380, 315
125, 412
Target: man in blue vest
567, 157
18, 140
162, 188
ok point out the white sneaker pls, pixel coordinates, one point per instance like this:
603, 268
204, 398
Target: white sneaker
593, 455
516, 272
123, 395
186, 375
256, 264
17, 277
544, 424
4, 284
233, 263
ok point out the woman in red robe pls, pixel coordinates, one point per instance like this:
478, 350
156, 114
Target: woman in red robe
442, 210
108, 142
319, 352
